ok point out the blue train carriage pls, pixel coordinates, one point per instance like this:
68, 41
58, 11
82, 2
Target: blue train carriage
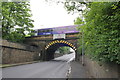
46, 31
57, 30
65, 29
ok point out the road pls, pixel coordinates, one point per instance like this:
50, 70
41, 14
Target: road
56, 68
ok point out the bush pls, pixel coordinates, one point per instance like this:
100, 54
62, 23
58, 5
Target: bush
101, 31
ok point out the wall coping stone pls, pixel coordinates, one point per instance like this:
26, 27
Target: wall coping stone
5, 43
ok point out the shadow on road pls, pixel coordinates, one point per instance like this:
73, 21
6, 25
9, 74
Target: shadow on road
59, 60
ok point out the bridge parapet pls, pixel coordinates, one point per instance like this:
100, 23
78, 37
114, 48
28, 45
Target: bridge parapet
50, 37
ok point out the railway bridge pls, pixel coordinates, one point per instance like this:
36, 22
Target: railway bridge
48, 44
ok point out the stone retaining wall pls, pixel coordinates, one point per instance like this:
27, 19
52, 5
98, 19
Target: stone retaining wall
17, 53
102, 70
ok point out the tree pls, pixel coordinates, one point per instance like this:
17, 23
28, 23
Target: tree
78, 21
16, 19
75, 6
101, 30
64, 50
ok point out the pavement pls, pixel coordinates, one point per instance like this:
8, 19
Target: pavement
78, 70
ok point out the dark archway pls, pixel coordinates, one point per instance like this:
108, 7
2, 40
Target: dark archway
54, 45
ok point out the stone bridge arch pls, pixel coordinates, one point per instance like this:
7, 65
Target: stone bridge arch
54, 45
46, 43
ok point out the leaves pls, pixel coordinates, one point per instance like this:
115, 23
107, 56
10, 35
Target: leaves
101, 31
15, 14
64, 50
78, 21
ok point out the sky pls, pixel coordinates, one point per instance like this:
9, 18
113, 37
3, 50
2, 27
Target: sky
50, 14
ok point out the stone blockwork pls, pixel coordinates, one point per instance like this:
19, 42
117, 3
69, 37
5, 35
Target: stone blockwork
18, 53
48, 46
101, 70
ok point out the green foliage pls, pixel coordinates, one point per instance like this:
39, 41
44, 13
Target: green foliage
16, 20
101, 31
78, 21
74, 6
64, 50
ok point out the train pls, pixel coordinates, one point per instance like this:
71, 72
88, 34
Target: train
57, 30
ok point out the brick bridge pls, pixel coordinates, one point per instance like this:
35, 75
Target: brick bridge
47, 46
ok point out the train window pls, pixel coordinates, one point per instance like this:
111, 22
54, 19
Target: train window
48, 30
51, 30
43, 30
40, 31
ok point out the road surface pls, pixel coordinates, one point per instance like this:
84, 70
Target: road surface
56, 68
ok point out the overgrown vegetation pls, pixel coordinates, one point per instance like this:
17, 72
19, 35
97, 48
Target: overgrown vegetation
101, 31
16, 20
64, 50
